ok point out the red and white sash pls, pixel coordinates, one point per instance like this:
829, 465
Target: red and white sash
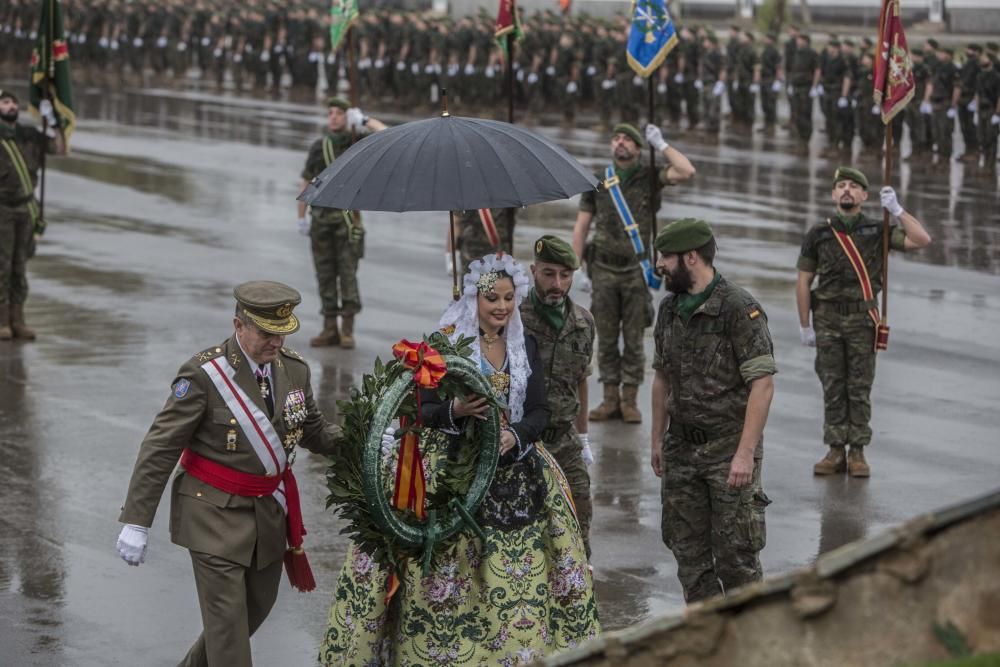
860, 270
253, 421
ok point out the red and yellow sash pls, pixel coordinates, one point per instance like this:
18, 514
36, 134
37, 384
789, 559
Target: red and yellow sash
860, 270
486, 217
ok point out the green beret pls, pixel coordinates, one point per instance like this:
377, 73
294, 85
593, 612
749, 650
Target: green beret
974, 47
269, 305
553, 249
10, 94
683, 235
338, 102
625, 128
850, 174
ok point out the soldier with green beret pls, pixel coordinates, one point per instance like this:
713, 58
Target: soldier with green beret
565, 334
235, 414
844, 254
712, 389
337, 237
621, 300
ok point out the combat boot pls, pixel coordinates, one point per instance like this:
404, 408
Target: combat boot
347, 332
610, 408
833, 462
629, 407
856, 464
6, 333
17, 323
330, 335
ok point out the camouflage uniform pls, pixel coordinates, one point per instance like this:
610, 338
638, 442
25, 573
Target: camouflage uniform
337, 239
566, 355
17, 240
472, 240
845, 334
620, 299
800, 78
714, 531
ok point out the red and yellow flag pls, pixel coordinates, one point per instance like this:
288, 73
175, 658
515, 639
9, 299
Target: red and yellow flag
507, 22
893, 72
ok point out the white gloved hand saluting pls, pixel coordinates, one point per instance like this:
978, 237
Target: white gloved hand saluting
355, 119
132, 544
808, 336
655, 138
586, 454
303, 225
889, 201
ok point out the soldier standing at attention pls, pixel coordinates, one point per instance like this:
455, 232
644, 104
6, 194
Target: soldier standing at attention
845, 253
337, 236
803, 80
233, 419
565, 334
712, 390
21, 148
620, 297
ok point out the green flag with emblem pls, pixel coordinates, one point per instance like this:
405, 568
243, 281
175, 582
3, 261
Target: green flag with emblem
50, 68
344, 13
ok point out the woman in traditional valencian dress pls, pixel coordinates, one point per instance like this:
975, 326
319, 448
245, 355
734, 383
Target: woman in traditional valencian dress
527, 591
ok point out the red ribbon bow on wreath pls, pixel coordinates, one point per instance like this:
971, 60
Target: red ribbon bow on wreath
426, 363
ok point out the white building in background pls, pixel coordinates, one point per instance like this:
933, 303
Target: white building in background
981, 17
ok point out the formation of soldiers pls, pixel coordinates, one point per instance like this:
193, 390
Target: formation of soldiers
563, 64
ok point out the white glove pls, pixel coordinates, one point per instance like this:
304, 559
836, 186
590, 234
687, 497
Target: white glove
814, 92
925, 108
736, 85
843, 103
679, 78
971, 106
586, 454
550, 70
583, 281
608, 84
449, 265
532, 78
820, 89
776, 87
304, 225
637, 80
698, 85
132, 544
355, 119
655, 138
995, 119
718, 89
951, 112
470, 69
876, 111
754, 88
808, 336
388, 440
661, 88
45, 109
790, 90
571, 88
889, 201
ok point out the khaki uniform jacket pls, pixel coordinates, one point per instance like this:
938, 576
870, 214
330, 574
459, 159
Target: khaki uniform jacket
203, 518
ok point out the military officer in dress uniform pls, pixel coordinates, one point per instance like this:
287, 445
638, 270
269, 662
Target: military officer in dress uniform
235, 414
565, 334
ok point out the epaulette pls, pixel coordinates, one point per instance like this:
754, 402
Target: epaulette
210, 353
292, 354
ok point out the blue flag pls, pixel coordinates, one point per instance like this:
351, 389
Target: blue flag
651, 36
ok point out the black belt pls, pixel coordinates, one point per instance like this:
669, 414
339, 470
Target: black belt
553, 434
618, 261
846, 307
699, 435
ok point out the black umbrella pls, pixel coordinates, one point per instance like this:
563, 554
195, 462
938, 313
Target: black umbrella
448, 163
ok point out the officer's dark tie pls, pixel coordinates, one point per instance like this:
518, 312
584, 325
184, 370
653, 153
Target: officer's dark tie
264, 382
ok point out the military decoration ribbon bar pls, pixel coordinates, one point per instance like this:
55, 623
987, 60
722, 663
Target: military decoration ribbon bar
613, 186
651, 36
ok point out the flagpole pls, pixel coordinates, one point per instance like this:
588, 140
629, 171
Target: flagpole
47, 64
652, 164
511, 212
886, 179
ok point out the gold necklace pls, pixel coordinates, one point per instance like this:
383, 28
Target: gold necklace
490, 339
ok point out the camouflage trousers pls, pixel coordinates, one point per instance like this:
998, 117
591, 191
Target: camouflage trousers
16, 241
845, 364
336, 257
623, 308
715, 532
944, 128
567, 452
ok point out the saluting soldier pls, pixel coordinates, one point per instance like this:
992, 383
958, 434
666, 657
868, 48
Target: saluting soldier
845, 253
21, 149
235, 415
620, 298
712, 390
337, 237
565, 334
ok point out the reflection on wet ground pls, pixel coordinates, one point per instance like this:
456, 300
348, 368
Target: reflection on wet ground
170, 199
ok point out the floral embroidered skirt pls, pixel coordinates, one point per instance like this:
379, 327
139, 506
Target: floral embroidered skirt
525, 593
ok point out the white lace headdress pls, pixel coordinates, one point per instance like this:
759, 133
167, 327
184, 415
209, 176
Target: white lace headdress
462, 319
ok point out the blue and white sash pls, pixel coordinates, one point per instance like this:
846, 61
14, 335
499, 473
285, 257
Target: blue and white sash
613, 186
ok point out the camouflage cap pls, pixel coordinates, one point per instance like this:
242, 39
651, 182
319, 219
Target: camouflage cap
269, 305
683, 235
629, 130
850, 174
554, 250
8, 93
338, 102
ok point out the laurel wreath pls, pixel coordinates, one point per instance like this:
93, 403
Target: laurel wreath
360, 474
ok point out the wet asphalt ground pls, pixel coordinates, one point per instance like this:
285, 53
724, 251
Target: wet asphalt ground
169, 199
